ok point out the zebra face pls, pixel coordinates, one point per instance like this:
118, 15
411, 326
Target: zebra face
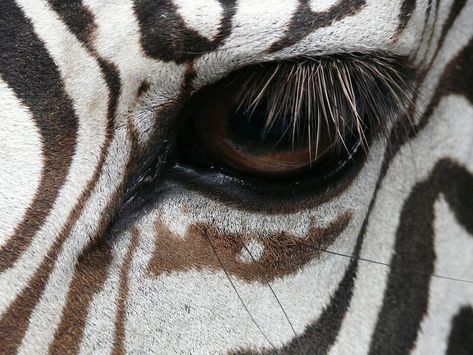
215, 176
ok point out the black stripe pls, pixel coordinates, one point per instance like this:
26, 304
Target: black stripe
165, 35
436, 16
406, 297
426, 27
320, 336
81, 23
407, 8
77, 17
456, 79
31, 73
460, 341
304, 21
455, 11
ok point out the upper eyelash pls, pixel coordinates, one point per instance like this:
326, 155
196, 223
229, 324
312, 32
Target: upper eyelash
348, 91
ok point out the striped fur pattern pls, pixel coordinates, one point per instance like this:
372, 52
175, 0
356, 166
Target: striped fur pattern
90, 92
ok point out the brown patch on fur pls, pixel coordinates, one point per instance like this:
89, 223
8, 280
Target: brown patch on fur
185, 208
283, 253
119, 336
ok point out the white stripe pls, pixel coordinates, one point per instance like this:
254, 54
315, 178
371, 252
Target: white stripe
370, 30
445, 136
322, 5
426, 44
21, 161
457, 38
47, 313
443, 13
82, 80
203, 16
117, 39
453, 249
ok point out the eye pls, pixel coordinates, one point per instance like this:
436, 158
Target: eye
287, 119
239, 124
280, 136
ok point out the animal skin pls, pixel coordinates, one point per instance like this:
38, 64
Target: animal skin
107, 245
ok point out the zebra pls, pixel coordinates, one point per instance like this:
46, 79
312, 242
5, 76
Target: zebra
232, 176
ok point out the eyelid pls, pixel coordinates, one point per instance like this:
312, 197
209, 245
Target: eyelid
208, 176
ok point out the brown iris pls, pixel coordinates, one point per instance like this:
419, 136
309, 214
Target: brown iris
237, 123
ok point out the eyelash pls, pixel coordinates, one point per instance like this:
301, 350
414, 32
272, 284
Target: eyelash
371, 91
368, 90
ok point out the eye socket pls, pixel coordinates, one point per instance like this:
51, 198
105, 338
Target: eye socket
322, 114
280, 120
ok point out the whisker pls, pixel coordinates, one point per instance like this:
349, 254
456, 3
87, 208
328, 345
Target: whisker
275, 296
237, 293
389, 266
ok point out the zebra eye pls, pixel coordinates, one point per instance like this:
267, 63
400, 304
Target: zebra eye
280, 120
250, 138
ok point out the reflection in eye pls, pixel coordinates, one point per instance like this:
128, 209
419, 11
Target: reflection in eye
279, 120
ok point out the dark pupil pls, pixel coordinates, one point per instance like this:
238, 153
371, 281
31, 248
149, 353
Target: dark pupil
251, 126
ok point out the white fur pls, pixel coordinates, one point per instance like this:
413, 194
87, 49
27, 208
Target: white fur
77, 70
322, 5
203, 16
253, 251
432, 144
117, 40
199, 311
372, 29
48, 310
446, 296
21, 161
